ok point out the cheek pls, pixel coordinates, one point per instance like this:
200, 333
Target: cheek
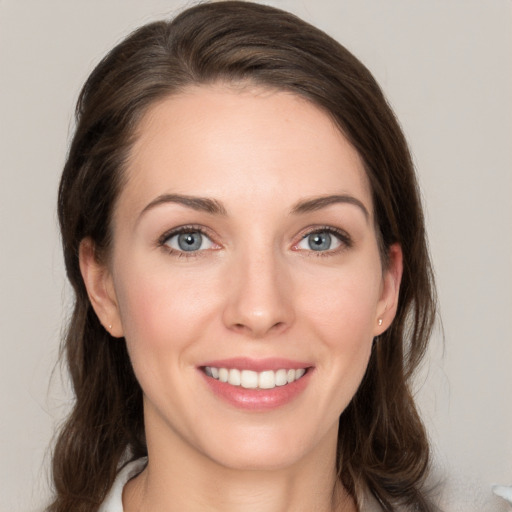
343, 305
160, 309
341, 314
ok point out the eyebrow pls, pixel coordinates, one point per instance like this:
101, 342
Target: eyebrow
200, 204
317, 203
214, 207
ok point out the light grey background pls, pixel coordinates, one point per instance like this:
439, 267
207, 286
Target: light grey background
446, 66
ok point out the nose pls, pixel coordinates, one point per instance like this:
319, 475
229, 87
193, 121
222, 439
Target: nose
260, 297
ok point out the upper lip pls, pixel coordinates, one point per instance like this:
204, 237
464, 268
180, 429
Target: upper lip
257, 365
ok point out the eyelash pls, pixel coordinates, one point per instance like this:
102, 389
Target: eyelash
162, 240
342, 236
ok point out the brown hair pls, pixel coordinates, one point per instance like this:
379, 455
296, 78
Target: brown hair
382, 443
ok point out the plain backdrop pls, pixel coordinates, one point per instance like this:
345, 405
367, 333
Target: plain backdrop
446, 66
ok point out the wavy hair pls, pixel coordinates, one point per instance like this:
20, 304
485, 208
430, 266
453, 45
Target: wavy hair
382, 444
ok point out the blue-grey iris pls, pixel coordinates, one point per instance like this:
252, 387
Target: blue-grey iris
319, 241
190, 241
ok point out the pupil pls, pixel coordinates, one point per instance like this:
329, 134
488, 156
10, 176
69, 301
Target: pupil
320, 241
189, 241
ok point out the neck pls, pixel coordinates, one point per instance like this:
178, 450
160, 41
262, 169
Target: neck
247, 491
179, 478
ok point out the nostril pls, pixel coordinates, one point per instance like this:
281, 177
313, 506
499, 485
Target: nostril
241, 328
257, 331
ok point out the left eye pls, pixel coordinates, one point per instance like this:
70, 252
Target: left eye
189, 241
320, 241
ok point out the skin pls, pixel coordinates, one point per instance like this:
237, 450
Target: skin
254, 289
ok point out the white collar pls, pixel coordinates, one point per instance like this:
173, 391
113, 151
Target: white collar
114, 500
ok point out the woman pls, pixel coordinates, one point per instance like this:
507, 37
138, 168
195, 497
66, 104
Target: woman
243, 231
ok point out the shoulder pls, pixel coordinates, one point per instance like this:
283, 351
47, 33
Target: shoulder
114, 500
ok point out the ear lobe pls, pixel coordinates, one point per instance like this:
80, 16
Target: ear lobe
100, 288
392, 277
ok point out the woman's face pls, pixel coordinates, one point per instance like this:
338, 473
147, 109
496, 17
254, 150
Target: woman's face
244, 249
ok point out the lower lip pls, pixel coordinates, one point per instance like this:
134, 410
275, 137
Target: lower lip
258, 399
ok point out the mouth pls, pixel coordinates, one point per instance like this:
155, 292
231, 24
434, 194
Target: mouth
250, 379
257, 384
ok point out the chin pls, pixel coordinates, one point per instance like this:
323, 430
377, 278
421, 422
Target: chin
267, 459
268, 448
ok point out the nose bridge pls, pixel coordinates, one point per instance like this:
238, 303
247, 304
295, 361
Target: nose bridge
260, 297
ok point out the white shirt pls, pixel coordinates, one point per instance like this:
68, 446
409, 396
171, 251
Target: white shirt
114, 500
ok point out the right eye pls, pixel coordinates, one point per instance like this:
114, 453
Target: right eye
190, 240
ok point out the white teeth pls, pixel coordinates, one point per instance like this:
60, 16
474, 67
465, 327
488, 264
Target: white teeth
223, 374
299, 373
281, 379
249, 379
234, 377
267, 380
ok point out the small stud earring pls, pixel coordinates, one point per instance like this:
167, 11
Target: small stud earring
380, 321
110, 326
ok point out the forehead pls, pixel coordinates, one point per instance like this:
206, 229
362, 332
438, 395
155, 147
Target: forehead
230, 143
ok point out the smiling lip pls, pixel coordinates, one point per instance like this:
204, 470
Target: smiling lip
257, 365
257, 399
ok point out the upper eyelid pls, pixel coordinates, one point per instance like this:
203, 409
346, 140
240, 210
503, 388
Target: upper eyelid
186, 228
319, 229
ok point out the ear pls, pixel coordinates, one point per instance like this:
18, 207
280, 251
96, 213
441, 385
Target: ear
100, 288
388, 302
